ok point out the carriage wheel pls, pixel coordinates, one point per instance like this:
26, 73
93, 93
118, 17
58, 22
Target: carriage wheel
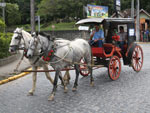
137, 58
114, 67
84, 71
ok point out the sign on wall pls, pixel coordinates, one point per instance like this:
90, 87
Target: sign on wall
97, 11
2, 4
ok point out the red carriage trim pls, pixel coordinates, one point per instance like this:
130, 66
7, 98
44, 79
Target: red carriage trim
116, 38
25, 52
47, 58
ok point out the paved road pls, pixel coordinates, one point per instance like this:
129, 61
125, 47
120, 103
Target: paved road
129, 94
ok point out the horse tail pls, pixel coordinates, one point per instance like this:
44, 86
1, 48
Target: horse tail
88, 55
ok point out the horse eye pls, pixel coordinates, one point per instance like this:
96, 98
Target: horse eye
16, 37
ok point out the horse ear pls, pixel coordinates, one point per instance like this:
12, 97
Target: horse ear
34, 34
21, 28
37, 33
52, 38
49, 37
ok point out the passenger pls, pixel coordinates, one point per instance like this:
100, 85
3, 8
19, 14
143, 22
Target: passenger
123, 37
97, 37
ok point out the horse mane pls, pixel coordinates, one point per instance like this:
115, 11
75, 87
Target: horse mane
45, 35
26, 34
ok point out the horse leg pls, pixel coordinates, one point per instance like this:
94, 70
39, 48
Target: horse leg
63, 82
67, 77
91, 75
51, 97
34, 78
76, 79
61, 78
89, 62
47, 74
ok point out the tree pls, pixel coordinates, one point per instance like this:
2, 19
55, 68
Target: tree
32, 12
24, 8
50, 9
2, 25
12, 14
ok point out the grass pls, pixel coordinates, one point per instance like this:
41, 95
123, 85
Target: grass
48, 27
60, 26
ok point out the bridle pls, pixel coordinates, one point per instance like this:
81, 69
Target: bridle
19, 37
35, 43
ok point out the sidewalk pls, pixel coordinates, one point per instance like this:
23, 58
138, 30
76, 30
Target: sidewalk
7, 70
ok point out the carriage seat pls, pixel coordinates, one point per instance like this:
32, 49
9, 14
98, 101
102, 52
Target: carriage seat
108, 48
104, 51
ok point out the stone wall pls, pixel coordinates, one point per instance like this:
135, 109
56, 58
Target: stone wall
9, 59
70, 35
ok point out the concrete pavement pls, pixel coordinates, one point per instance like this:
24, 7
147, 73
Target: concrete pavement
128, 94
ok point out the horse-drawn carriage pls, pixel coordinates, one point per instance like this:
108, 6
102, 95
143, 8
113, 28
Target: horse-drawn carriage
62, 53
111, 53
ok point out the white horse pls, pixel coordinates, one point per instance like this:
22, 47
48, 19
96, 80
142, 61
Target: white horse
20, 40
65, 53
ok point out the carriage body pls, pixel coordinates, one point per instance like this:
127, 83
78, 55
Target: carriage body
111, 53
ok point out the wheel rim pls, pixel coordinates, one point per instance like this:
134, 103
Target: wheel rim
84, 71
114, 68
137, 58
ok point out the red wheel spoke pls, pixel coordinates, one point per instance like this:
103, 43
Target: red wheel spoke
114, 68
85, 71
137, 58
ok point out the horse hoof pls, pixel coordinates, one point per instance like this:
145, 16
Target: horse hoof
92, 84
51, 98
62, 84
74, 89
65, 89
67, 83
30, 93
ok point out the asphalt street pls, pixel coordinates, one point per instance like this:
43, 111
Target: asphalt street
129, 94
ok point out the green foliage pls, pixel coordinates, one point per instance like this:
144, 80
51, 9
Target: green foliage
12, 14
59, 10
24, 9
60, 26
48, 26
4, 44
65, 9
2, 25
145, 5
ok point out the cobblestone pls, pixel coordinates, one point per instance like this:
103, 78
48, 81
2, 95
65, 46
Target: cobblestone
128, 94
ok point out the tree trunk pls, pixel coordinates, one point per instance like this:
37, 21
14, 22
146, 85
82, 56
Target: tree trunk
32, 14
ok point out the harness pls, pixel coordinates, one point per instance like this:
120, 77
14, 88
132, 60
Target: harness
47, 58
51, 53
25, 52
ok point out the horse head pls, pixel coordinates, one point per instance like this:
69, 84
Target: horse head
16, 40
39, 45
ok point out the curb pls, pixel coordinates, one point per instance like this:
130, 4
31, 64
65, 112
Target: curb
143, 42
14, 77
9, 59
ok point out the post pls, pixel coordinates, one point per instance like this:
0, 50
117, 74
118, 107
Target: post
132, 9
3, 8
3, 5
32, 14
137, 22
117, 7
38, 23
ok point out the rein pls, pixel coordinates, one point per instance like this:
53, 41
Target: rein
17, 48
60, 57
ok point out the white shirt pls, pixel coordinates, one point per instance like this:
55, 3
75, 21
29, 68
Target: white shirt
122, 36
